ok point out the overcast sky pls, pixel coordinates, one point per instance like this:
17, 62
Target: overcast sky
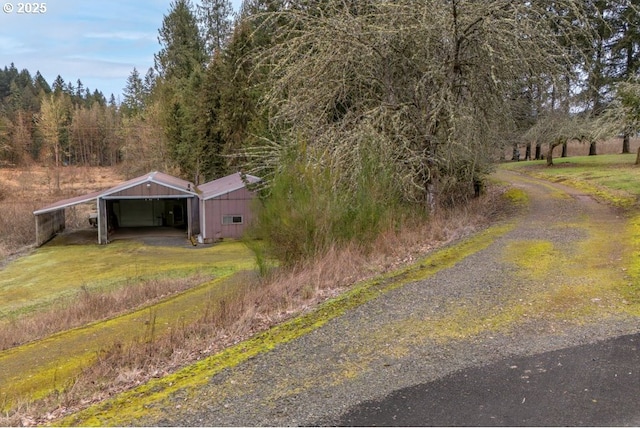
96, 41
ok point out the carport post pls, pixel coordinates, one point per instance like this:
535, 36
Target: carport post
38, 242
102, 221
189, 218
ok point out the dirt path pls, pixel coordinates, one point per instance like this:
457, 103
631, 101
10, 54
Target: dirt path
559, 277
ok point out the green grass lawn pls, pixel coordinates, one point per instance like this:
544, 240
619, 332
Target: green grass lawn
614, 178
53, 272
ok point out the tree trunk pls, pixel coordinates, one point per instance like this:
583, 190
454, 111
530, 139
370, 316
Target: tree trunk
516, 153
638, 157
550, 151
592, 148
564, 150
538, 151
56, 152
625, 143
527, 153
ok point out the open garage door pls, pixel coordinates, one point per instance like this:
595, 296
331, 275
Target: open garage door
148, 213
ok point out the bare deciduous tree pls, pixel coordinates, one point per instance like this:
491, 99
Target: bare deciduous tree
50, 122
431, 86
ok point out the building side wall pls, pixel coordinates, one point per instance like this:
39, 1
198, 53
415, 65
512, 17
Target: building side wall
237, 203
48, 225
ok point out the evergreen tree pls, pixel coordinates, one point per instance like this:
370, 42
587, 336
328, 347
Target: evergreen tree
40, 84
58, 85
134, 94
98, 97
241, 120
182, 50
70, 89
210, 124
80, 92
179, 65
215, 18
149, 82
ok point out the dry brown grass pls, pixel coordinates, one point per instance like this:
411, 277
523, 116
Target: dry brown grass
90, 306
24, 190
253, 304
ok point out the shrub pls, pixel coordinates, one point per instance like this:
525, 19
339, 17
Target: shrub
311, 205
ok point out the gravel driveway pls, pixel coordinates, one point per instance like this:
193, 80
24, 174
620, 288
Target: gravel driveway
552, 282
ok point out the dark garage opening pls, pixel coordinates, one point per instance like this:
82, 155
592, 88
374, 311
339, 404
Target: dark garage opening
151, 213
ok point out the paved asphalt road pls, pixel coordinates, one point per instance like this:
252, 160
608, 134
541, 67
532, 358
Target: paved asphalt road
590, 385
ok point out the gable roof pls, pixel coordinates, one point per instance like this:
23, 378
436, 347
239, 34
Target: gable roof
225, 185
153, 177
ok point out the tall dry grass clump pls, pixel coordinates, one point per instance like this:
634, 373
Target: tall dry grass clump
17, 226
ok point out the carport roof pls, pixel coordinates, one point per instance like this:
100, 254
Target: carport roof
155, 177
65, 203
225, 185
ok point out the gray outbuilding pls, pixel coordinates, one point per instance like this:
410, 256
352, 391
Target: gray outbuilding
226, 207
213, 211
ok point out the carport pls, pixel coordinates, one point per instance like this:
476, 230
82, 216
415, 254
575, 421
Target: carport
154, 200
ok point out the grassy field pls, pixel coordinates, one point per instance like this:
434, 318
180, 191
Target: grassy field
43, 288
178, 326
53, 272
613, 178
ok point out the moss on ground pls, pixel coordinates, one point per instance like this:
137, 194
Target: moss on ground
631, 289
40, 368
517, 197
534, 258
58, 272
555, 290
147, 400
611, 178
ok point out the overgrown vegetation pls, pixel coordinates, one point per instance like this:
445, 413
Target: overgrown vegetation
309, 208
243, 305
372, 123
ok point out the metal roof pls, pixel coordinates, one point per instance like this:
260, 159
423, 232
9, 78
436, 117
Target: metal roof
68, 203
155, 177
225, 185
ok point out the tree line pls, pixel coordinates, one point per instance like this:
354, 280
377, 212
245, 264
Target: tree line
351, 111
62, 121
